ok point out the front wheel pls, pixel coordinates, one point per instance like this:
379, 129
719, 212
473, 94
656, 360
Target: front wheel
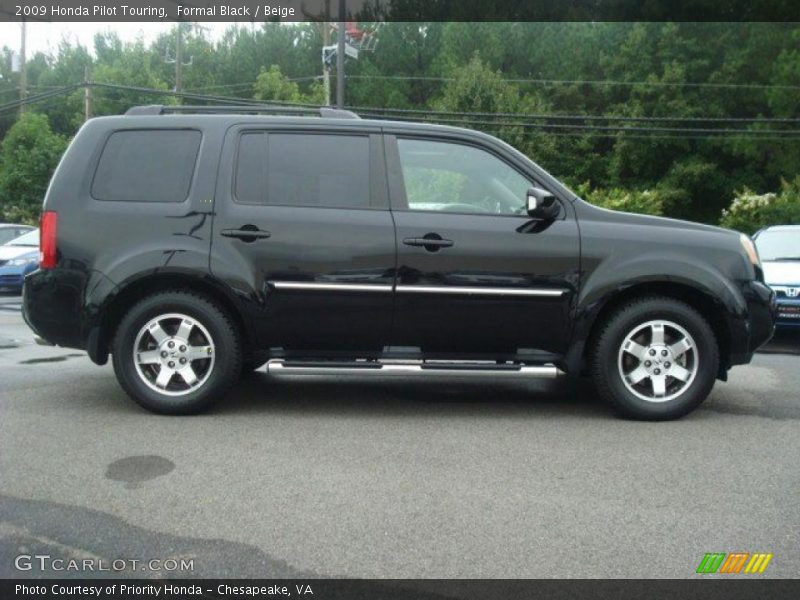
176, 353
655, 359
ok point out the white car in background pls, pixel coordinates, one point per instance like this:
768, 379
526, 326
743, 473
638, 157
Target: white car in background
9, 231
19, 246
779, 249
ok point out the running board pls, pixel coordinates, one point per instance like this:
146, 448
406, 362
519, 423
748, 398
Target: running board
452, 369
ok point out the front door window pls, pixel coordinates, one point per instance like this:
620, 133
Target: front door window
447, 177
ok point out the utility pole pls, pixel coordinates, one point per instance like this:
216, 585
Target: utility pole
179, 64
179, 61
23, 68
323, 21
87, 93
340, 55
326, 41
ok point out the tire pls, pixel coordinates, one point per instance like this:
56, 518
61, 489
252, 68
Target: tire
203, 338
654, 359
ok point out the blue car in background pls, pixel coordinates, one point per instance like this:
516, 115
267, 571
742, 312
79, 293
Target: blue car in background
13, 271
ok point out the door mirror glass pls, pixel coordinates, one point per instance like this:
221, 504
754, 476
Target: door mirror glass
542, 205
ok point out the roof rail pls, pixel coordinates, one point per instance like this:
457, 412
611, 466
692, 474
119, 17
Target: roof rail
162, 109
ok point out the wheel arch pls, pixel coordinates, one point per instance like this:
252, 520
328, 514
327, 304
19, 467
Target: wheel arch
137, 288
710, 307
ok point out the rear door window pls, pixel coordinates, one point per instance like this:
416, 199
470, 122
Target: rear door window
155, 165
303, 169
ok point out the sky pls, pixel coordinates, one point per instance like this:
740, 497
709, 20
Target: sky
44, 37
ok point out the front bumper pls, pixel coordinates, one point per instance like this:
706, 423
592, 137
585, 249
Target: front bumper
11, 279
756, 326
788, 312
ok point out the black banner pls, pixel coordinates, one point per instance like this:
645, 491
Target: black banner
734, 588
400, 10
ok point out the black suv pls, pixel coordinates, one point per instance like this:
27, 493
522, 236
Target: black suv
194, 244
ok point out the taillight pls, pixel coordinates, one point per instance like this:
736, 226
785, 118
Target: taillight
47, 239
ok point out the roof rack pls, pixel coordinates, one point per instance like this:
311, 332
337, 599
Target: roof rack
254, 109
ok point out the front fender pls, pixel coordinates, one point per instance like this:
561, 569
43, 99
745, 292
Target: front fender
654, 273
614, 276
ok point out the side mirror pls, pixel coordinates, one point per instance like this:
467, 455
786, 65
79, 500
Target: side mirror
542, 205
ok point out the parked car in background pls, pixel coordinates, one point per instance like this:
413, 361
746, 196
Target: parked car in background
19, 246
779, 248
9, 231
13, 272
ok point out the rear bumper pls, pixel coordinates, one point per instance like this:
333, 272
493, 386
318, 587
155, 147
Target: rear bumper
51, 306
61, 306
756, 326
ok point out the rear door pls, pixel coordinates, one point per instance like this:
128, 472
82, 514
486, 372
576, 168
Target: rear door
303, 230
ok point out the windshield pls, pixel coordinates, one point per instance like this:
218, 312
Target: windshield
29, 239
779, 245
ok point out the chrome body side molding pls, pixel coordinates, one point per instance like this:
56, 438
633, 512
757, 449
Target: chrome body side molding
414, 289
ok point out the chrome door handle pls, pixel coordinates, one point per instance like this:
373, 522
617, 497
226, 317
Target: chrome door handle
431, 243
246, 235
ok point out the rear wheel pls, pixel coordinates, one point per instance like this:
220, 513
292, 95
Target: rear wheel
655, 359
176, 353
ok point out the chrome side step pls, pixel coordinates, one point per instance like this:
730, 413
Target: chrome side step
438, 368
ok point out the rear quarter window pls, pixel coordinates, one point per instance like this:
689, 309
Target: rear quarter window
147, 165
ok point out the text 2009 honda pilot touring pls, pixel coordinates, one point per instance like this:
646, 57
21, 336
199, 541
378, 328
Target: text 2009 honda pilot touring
192, 247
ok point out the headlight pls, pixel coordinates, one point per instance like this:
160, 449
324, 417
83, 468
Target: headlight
22, 262
750, 250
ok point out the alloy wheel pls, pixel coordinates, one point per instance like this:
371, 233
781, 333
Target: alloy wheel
658, 361
173, 354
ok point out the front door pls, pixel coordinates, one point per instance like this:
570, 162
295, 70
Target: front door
475, 275
303, 233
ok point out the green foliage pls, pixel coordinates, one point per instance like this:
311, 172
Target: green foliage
476, 88
29, 154
646, 202
631, 70
273, 85
749, 211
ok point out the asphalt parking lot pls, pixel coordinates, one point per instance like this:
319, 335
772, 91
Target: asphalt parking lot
343, 478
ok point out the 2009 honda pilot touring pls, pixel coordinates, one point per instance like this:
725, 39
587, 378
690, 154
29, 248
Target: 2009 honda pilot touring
194, 247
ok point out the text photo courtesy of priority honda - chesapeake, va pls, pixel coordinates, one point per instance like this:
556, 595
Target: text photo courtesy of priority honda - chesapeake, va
344, 299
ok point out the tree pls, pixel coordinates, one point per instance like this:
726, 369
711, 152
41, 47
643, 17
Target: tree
30, 153
126, 64
653, 77
476, 88
273, 85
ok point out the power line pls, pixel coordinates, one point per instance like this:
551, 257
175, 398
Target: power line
13, 105
563, 129
618, 128
378, 111
597, 82
222, 86
573, 116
